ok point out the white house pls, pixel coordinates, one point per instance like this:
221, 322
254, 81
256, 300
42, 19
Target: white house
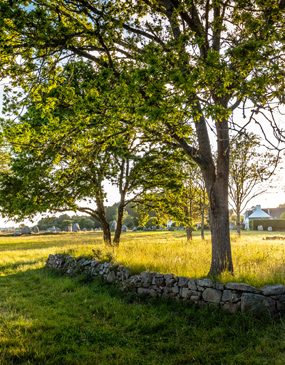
257, 213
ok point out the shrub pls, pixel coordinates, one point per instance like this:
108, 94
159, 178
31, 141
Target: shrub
276, 224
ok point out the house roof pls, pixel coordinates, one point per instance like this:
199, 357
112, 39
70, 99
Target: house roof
275, 212
259, 213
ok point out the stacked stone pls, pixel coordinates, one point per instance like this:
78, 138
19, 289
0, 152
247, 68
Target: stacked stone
232, 297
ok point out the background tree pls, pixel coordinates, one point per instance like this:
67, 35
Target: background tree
85, 222
185, 202
183, 65
250, 167
67, 144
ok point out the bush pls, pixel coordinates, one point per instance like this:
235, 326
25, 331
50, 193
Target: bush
276, 224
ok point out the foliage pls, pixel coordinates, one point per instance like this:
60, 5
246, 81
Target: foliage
177, 66
63, 220
185, 203
65, 146
4, 157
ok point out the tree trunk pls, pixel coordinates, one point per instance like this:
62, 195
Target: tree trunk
217, 184
203, 204
189, 233
219, 216
102, 218
118, 230
106, 233
203, 222
238, 222
216, 176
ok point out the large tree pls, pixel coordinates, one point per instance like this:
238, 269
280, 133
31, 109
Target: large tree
66, 145
184, 65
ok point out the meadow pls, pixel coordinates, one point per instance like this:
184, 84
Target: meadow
46, 318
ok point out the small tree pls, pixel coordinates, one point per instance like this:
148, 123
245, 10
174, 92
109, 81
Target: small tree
185, 202
249, 169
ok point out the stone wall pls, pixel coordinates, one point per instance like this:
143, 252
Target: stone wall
232, 297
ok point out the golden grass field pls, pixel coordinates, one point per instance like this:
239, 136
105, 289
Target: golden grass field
256, 261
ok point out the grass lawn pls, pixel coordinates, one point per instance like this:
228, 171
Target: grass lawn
49, 319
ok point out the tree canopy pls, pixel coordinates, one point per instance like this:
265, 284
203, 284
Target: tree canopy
182, 67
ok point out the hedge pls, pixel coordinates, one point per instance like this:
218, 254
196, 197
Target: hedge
276, 224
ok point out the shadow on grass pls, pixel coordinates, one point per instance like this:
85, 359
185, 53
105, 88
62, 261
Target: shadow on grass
7, 268
33, 245
46, 318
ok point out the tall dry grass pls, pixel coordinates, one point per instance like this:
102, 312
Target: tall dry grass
256, 261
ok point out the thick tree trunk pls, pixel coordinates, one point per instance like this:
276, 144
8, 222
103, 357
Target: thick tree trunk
189, 233
106, 233
118, 230
216, 176
217, 184
219, 217
101, 215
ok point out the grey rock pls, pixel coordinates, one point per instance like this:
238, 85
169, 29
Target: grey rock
143, 291
154, 293
232, 307
207, 283
273, 290
146, 278
94, 263
26, 230
158, 279
242, 287
281, 298
195, 298
126, 274
36, 229
200, 288
111, 277
212, 295
87, 263
192, 284
175, 290
257, 304
230, 296
169, 279
219, 286
134, 281
280, 301
166, 292
185, 293
182, 282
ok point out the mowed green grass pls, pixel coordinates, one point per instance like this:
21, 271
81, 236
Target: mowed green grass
46, 318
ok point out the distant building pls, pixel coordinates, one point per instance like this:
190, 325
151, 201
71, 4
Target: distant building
275, 212
255, 213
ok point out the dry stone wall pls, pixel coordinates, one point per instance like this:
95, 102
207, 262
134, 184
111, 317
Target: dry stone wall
232, 297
